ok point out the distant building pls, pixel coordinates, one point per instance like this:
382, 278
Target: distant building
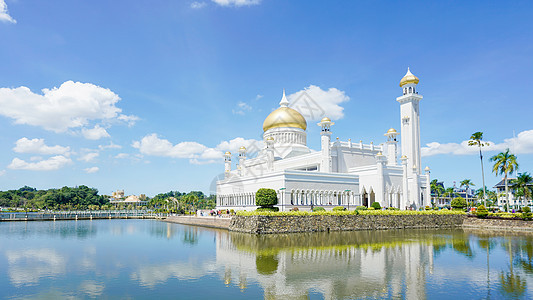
118, 198
514, 202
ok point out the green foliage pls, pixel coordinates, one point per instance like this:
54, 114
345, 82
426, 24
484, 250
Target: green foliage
338, 208
361, 208
482, 212
266, 264
315, 209
351, 212
266, 197
267, 209
526, 213
428, 207
458, 203
375, 205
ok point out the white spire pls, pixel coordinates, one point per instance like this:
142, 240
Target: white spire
284, 102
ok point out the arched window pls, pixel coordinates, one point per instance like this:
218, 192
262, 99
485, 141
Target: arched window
410, 90
404, 91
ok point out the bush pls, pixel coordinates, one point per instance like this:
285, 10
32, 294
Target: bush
339, 208
352, 212
375, 205
361, 208
393, 208
266, 197
458, 202
482, 212
318, 209
427, 207
268, 208
526, 213
371, 208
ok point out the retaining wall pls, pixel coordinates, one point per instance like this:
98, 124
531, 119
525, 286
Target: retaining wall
498, 224
215, 222
291, 224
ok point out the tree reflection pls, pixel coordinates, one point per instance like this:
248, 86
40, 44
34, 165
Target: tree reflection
512, 284
190, 235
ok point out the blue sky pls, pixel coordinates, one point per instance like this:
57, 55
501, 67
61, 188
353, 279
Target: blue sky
146, 95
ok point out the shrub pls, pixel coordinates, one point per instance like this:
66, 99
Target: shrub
353, 212
371, 208
361, 208
427, 207
268, 208
339, 208
458, 202
526, 213
266, 197
376, 205
232, 212
318, 209
481, 212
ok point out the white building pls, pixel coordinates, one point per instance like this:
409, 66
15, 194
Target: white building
341, 173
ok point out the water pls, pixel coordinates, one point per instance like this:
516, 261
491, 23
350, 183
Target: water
149, 259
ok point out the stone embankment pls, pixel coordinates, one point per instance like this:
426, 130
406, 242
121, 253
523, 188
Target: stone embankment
498, 224
293, 224
214, 222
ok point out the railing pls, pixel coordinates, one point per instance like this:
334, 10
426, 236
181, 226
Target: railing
80, 215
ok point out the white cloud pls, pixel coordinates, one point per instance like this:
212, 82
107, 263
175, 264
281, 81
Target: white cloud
91, 170
88, 157
95, 134
110, 146
198, 5
521, 144
53, 163
241, 108
122, 155
4, 15
315, 103
72, 105
37, 146
236, 2
195, 152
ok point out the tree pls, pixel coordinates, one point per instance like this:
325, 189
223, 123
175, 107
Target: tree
504, 164
467, 183
266, 197
523, 185
476, 139
458, 203
436, 188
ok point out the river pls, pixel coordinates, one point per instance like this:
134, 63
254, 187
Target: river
150, 259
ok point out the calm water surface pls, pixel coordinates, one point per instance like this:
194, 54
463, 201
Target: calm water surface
147, 259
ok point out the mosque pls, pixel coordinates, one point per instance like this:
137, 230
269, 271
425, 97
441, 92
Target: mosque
341, 173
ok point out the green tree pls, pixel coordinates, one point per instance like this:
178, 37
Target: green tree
266, 197
476, 139
436, 189
458, 203
466, 184
523, 184
504, 164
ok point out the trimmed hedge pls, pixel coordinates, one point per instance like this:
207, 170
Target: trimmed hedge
318, 209
266, 197
339, 208
458, 202
376, 205
351, 212
267, 209
482, 212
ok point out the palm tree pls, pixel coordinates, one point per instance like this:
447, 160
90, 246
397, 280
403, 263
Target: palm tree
504, 164
523, 183
449, 192
476, 139
466, 183
436, 188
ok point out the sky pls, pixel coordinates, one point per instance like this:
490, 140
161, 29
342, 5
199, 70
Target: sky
146, 96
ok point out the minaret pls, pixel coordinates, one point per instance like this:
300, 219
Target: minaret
410, 116
227, 164
427, 196
242, 158
325, 164
392, 147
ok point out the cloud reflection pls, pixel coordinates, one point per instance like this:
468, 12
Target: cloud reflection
27, 267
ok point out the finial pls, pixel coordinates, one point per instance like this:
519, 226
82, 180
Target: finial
284, 102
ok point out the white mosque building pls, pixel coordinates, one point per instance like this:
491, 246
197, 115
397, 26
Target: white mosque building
342, 173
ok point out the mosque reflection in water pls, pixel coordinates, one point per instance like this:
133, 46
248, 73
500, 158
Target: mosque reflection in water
376, 264
157, 259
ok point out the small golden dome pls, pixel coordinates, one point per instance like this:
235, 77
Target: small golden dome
242, 148
270, 138
325, 119
284, 117
408, 78
228, 153
392, 130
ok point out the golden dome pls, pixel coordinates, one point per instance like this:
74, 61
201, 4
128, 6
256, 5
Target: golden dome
284, 117
391, 132
228, 153
408, 78
242, 148
325, 119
